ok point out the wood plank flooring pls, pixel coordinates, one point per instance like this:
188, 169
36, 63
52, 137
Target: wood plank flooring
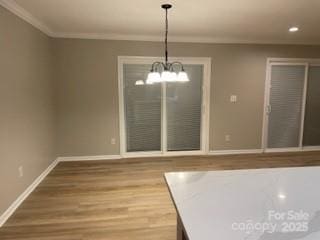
120, 199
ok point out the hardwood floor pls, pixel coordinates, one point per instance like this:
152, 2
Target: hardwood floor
120, 199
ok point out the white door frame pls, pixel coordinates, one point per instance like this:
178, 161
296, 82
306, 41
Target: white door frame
285, 61
206, 62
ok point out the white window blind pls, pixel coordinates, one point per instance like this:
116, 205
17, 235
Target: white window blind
184, 111
142, 110
161, 117
286, 98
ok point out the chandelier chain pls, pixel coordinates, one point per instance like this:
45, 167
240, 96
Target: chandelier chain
166, 38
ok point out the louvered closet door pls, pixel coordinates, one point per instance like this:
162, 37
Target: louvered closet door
142, 105
286, 99
184, 101
312, 117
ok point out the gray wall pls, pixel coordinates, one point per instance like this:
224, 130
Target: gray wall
74, 82
88, 93
26, 105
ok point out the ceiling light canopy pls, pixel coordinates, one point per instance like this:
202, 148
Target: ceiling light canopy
164, 71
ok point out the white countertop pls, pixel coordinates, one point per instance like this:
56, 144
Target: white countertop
263, 204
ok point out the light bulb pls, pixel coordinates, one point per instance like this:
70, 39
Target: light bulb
139, 82
173, 77
183, 77
153, 77
149, 82
167, 76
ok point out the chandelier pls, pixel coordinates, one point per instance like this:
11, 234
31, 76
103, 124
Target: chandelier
164, 71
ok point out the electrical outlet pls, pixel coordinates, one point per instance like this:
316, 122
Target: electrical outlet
20, 169
113, 141
227, 138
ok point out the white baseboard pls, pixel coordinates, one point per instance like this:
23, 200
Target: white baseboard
311, 148
295, 149
283, 150
4, 217
156, 154
233, 152
88, 158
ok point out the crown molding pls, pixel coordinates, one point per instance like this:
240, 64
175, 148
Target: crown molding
13, 7
141, 37
176, 39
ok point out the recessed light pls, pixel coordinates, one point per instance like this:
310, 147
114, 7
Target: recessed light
293, 29
282, 196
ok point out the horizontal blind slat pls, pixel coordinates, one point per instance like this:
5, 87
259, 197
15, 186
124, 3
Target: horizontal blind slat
184, 102
286, 96
142, 110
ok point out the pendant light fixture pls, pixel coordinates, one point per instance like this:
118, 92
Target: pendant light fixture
164, 71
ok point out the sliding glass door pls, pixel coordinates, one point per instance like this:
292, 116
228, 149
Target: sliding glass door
183, 108
286, 105
162, 118
292, 119
311, 135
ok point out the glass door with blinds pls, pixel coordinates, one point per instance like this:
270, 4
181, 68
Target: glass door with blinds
163, 118
142, 110
292, 119
183, 112
311, 136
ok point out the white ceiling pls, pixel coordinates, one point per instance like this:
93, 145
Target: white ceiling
232, 21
